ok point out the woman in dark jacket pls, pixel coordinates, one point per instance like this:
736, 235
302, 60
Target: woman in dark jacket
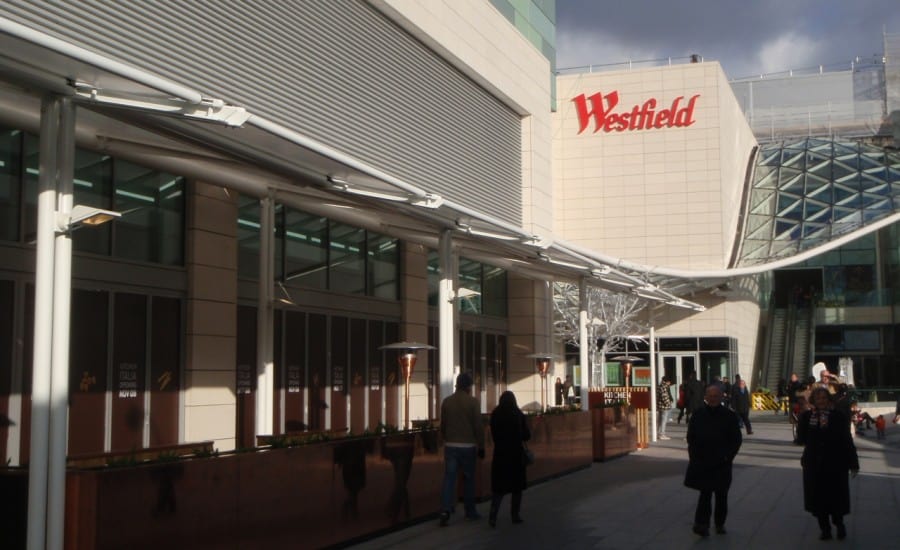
828, 456
509, 432
740, 401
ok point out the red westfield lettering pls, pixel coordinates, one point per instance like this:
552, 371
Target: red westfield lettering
641, 117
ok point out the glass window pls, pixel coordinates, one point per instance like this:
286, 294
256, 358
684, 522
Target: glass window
31, 149
92, 185
305, 249
434, 278
470, 279
248, 237
382, 262
347, 264
152, 205
10, 186
494, 297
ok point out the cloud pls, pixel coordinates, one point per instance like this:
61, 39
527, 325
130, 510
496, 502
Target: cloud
788, 51
579, 49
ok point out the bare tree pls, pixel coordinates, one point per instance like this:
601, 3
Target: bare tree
612, 316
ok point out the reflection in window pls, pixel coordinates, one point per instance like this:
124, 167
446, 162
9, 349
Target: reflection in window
383, 258
306, 249
470, 280
482, 287
248, 237
151, 228
152, 207
10, 174
92, 182
315, 252
347, 264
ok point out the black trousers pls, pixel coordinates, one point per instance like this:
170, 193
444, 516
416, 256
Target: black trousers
704, 507
745, 419
515, 505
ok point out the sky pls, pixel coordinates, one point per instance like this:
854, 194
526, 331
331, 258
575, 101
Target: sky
747, 37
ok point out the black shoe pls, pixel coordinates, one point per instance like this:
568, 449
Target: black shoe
826, 535
445, 518
841, 531
750, 432
517, 520
701, 530
492, 521
720, 530
473, 517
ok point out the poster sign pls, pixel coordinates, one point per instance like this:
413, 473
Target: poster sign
640, 376
293, 378
128, 380
244, 380
375, 377
337, 378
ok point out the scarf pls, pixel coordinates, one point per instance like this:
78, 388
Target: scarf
819, 419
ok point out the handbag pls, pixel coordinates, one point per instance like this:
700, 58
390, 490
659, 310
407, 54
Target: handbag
528, 455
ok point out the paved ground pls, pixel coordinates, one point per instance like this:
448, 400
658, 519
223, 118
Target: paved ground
638, 501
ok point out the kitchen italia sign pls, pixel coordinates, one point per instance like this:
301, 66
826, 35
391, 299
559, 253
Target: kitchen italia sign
600, 108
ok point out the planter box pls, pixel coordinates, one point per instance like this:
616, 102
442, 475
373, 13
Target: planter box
614, 431
311, 496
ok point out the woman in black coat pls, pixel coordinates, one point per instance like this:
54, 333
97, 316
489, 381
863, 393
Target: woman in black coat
828, 456
509, 432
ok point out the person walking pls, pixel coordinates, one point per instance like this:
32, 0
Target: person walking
664, 404
558, 390
463, 435
828, 456
781, 393
740, 403
509, 431
693, 395
713, 441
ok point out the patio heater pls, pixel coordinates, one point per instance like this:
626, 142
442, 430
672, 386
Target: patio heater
408, 353
542, 364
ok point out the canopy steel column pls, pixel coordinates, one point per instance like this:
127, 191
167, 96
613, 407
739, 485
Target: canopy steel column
62, 312
583, 346
43, 326
446, 314
265, 368
653, 382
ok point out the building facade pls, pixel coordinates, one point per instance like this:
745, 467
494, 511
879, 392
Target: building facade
343, 173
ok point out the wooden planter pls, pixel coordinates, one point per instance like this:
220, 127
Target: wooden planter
614, 431
310, 496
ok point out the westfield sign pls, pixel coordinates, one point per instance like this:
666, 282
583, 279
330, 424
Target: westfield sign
602, 110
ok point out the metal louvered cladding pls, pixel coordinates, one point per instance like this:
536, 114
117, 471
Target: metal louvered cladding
339, 72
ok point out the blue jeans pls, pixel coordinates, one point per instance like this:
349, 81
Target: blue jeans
455, 459
664, 416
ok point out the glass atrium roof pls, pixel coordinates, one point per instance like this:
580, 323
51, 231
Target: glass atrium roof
808, 192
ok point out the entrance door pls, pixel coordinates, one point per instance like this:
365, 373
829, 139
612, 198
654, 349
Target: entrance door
677, 366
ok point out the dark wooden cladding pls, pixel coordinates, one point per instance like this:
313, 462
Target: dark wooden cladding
245, 378
88, 371
375, 374
392, 383
165, 370
128, 372
294, 382
339, 372
317, 364
357, 376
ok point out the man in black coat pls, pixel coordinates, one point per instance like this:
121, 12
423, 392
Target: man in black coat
713, 441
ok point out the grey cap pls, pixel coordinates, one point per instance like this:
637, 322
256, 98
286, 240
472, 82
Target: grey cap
464, 381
